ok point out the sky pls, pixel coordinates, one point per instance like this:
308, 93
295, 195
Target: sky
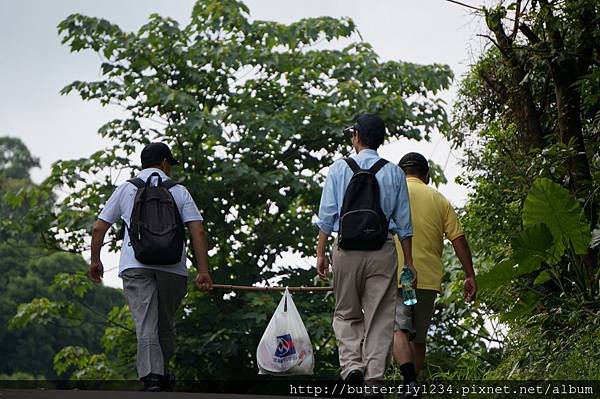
35, 66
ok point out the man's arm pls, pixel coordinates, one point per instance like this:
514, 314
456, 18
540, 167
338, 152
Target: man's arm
463, 252
322, 261
402, 218
200, 245
328, 210
98, 233
406, 244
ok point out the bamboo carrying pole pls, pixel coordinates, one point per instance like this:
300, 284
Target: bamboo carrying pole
279, 289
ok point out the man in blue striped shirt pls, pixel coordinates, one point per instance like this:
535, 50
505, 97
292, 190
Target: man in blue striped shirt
364, 282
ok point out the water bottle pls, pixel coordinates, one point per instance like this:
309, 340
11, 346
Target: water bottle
408, 292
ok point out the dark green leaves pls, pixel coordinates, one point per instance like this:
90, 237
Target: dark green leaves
530, 248
552, 204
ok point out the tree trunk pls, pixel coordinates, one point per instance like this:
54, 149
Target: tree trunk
521, 99
568, 102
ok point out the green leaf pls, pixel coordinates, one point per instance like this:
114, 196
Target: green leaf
77, 283
501, 274
531, 247
542, 278
524, 305
551, 204
39, 310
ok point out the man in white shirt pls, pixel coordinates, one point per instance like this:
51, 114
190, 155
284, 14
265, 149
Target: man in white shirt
153, 291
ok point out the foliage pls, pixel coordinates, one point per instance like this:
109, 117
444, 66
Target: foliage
16, 199
551, 204
537, 349
45, 320
461, 344
115, 361
27, 272
92, 367
538, 251
527, 120
15, 159
20, 376
255, 111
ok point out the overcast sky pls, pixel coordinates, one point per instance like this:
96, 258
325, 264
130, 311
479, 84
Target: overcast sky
34, 66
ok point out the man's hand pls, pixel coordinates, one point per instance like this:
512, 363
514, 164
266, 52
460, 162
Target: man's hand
203, 281
414, 273
96, 271
461, 247
322, 266
470, 288
98, 232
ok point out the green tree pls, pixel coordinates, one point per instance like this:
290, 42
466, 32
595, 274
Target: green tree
527, 119
255, 111
15, 163
28, 269
15, 159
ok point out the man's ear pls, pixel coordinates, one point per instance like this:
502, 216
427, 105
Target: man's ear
164, 164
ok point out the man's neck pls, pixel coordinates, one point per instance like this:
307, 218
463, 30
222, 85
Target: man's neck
153, 169
424, 180
358, 149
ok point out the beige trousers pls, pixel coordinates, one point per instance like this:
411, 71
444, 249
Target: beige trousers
365, 299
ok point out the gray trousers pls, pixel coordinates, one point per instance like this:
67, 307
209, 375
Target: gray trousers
153, 297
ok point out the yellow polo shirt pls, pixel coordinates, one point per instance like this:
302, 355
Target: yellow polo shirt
433, 218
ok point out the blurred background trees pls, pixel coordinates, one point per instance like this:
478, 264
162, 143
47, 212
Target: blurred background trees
27, 272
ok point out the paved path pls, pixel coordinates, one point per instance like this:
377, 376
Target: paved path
76, 394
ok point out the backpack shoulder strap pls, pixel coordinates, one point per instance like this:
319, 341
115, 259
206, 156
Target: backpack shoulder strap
168, 184
377, 166
353, 165
139, 183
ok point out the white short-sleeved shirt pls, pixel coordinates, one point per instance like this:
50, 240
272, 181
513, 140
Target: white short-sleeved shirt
120, 205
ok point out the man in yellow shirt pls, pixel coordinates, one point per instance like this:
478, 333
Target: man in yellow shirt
433, 219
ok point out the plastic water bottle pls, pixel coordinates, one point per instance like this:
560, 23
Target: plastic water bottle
408, 292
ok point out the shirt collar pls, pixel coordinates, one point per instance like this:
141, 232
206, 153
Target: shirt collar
414, 179
145, 173
368, 152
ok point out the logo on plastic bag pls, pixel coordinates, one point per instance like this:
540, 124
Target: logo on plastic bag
285, 351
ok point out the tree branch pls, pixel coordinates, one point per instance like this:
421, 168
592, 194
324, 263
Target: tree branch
465, 5
478, 335
517, 17
529, 34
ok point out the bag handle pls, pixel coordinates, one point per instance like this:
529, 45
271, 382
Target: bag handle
149, 179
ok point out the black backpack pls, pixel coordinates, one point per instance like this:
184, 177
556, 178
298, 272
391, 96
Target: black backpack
363, 225
155, 231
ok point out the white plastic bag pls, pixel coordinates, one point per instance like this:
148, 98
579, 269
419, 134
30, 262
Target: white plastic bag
285, 347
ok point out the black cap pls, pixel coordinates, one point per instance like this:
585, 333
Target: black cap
154, 153
370, 127
414, 160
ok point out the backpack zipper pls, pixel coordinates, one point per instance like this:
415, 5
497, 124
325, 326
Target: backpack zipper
357, 210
